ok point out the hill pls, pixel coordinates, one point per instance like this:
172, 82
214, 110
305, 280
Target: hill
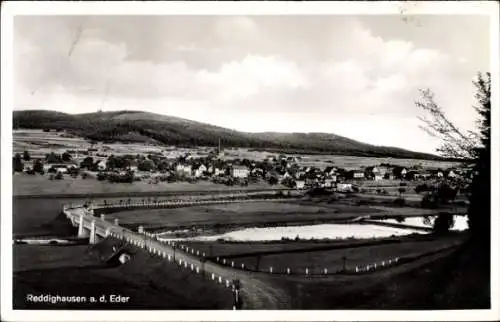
130, 126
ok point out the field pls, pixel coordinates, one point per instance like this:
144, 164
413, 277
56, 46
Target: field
24, 184
238, 215
338, 160
38, 143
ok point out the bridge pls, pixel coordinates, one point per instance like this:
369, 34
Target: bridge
96, 228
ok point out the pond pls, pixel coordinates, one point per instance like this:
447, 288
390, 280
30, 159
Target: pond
330, 231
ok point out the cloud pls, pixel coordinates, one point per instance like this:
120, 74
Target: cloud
305, 73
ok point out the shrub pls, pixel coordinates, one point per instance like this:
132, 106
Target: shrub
399, 202
400, 219
429, 201
443, 223
59, 176
403, 184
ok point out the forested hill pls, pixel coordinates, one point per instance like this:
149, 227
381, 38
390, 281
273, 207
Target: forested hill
136, 126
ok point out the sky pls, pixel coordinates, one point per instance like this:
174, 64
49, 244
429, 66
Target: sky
356, 76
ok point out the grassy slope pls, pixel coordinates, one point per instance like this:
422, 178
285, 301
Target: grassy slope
150, 282
172, 130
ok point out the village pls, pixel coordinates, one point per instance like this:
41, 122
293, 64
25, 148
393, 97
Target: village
213, 166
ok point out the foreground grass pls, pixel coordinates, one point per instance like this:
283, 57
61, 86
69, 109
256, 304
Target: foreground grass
150, 282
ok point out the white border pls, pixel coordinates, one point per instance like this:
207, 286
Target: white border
10, 9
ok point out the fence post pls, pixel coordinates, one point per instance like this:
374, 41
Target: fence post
325, 271
271, 269
242, 266
307, 271
232, 263
288, 271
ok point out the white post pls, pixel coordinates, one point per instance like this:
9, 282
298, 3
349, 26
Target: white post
108, 233
93, 235
169, 257
227, 283
213, 276
224, 261
192, 267
242, 266
197, 253
307, 271
271, 269
217, 259
232, 263
220, 279
288, 271
197, 269
357, 269
185, 264
203, 254
81, 229
325, 271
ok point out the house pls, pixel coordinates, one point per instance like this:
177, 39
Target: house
450, 173
239, 172
330, 181
61, 169
418, 175
358, 175
101, 165
373, 173
218, 171
388, 175
300, 184
330, 170
199, 170
184, 169
399, 172
257, 172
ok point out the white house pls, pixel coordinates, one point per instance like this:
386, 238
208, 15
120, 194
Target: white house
198, 171
101, 165
239, 172
330, 181
299, 184
358, 175
183, 169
